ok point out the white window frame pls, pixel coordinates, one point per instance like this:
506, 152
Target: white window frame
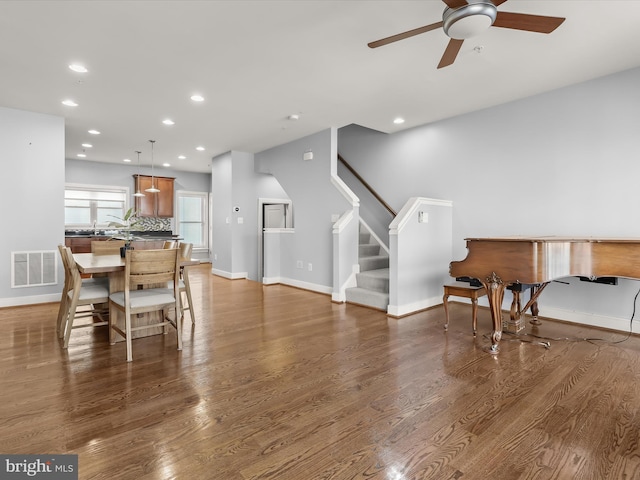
204, 196
96, 188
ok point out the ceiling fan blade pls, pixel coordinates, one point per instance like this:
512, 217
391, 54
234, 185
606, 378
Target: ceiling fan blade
497, 3
450, 53
529, 23
402, 36
453, 4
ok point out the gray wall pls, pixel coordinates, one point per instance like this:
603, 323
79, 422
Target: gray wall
32, 196
560, 163
95, 173
221, 208
235, 183
315, 200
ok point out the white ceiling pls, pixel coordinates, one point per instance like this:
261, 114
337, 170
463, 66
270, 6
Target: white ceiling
257, 62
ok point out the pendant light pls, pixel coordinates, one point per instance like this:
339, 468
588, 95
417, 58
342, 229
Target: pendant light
138, 192
153, 188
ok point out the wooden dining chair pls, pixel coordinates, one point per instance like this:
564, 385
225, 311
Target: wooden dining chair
79, 292
152, 270
170, 244
184, 285
106, 247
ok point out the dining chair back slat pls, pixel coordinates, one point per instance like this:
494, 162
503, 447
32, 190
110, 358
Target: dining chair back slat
153, 270
106, 247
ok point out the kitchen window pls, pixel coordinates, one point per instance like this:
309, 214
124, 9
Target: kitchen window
88, 206
192, 218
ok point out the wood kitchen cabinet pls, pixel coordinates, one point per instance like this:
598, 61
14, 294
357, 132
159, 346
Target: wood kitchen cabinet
154, 204
82, 244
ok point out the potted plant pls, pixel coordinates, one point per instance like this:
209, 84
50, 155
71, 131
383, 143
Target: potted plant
125, 227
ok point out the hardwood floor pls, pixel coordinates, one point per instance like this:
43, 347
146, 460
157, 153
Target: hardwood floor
279, 383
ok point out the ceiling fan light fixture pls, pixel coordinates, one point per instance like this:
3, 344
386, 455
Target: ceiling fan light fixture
469, 20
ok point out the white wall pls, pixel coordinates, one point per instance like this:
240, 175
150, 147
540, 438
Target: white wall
32, 196
560, 163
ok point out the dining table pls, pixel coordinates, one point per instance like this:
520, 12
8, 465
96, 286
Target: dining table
114, 266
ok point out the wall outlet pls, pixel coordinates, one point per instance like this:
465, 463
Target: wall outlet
215, 256
310, 267
299, 264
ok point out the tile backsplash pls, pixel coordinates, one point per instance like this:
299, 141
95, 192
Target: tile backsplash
154, 224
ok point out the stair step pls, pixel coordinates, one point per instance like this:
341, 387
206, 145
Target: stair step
370, 298
364, 238
368, 250
373, 263
376, 280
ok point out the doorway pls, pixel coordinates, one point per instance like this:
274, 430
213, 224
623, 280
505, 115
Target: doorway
272, 213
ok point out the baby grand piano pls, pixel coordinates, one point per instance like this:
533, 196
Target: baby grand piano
507, 261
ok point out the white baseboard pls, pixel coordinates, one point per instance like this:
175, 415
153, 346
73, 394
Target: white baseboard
584, 318
402, 310
571, 316
298, 284
339, 297
30, 300
229, 275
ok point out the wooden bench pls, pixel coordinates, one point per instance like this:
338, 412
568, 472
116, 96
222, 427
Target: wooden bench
465, 290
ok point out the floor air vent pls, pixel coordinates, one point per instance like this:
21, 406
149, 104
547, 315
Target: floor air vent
34, 269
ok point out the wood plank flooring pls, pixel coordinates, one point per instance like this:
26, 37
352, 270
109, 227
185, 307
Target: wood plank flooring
280, 383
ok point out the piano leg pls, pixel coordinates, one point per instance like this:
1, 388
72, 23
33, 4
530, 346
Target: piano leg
515, 323
495, 291
534, 310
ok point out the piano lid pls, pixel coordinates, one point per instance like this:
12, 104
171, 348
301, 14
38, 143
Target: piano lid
554, 238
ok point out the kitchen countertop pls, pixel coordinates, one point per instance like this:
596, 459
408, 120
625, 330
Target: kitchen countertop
138, 236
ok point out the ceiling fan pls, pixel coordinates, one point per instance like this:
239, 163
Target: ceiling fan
463, 19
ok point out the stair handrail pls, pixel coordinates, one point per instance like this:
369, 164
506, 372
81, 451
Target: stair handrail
367, 186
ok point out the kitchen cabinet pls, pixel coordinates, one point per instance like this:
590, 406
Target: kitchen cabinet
158, 204
82, 244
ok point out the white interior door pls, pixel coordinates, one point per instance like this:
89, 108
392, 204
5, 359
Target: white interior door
274, 216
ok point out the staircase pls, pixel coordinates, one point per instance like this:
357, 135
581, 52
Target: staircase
372, 282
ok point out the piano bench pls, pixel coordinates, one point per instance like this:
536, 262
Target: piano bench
465, 290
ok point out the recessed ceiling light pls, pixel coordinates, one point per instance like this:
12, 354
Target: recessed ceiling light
128, 160
81, 155
78, 68
398, 121
200, 149
166, 164
87, 145
69, 103
168, 121
197, 98
94, 132
294, 116
181, 157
